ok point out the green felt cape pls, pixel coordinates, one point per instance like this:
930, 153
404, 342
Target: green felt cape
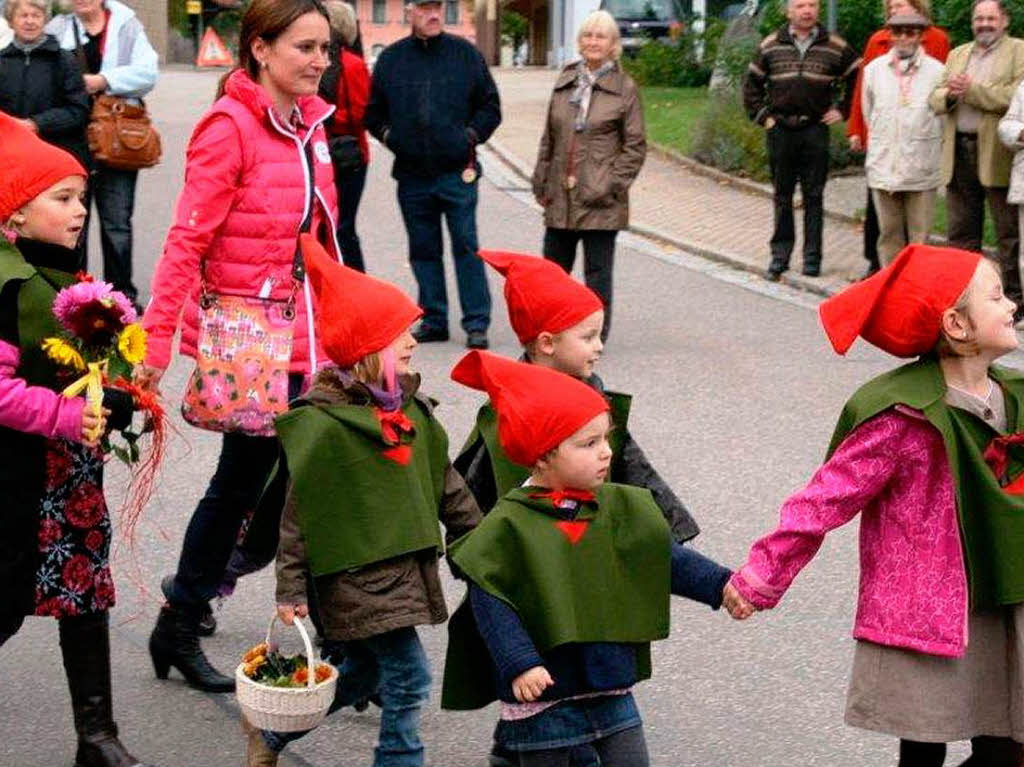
355, 504
603, 577
991, 520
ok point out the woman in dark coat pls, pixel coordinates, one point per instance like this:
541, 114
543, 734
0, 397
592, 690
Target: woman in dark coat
40, 83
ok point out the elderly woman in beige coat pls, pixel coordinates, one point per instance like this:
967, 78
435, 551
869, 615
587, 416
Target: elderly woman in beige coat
1011, 133
592, 149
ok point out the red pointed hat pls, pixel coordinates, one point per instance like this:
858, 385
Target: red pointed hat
538, 408
30, 166
540, 295
899, 309
356, 314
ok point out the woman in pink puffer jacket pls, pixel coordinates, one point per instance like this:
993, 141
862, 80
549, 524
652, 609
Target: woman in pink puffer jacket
246, 193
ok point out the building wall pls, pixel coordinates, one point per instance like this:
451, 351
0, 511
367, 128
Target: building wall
378, 35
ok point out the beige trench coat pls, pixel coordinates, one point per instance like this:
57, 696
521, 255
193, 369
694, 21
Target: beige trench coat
608, 154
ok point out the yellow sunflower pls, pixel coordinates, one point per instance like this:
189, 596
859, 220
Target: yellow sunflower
132, 344
63, 353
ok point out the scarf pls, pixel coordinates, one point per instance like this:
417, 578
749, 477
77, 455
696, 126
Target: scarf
27, 48
580, 97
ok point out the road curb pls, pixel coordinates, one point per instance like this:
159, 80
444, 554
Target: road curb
822, 286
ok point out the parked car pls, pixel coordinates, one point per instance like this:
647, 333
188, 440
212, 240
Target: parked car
643, 20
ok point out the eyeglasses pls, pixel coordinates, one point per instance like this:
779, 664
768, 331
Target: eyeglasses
905, 31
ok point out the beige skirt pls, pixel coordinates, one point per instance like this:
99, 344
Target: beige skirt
932, 699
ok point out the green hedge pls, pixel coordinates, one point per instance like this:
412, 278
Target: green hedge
678, 63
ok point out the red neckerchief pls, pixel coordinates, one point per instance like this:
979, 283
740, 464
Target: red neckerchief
573, 529
393, 424
997, 454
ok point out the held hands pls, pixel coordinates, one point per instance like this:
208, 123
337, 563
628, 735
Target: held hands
738, 607
93, 426
288, 613
832, 116
95, 83
959, 84
856, 144
529, 685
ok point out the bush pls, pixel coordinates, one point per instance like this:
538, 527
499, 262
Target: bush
726, 139
681, 63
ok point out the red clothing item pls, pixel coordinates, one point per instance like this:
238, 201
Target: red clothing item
936, 44
351, 100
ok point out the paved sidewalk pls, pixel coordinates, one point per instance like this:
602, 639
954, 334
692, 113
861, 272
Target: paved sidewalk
708, 217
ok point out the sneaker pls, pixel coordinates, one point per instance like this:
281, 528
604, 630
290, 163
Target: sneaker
476, 339
425, 334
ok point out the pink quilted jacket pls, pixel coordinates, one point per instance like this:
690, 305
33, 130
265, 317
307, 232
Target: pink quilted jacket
35, 409
239, 214
913, 586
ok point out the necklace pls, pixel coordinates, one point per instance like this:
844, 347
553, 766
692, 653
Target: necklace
985, 399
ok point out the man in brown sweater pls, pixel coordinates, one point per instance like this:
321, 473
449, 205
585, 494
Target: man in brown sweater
800, 82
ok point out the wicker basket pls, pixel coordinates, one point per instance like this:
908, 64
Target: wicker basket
286, 709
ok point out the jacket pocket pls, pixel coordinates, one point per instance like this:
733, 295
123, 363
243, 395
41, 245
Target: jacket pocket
595, 185
381, 577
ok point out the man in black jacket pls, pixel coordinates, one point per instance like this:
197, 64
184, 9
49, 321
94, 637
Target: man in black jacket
432, 100
800, 82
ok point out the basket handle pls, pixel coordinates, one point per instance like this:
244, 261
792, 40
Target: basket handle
310, 660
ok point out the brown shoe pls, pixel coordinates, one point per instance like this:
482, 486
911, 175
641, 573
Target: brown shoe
257, 752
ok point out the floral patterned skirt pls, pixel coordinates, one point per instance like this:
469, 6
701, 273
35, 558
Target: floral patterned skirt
73, 577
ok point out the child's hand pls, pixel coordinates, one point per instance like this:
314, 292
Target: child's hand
93, 426
530, 685
288, 613
738, 607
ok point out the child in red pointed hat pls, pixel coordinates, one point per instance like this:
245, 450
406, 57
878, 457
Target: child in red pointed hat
930, 456
558, 322
369, 479
569, 579
55, 517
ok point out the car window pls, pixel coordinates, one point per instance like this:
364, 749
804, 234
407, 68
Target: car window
642, 10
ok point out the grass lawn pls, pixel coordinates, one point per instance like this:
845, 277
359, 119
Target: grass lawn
672, 113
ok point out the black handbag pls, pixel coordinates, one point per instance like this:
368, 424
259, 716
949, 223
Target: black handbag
346, 154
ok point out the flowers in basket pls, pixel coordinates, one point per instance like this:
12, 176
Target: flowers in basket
266, 665
99, 345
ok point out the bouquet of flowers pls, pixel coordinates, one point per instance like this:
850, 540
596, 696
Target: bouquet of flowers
101, 342
265, 664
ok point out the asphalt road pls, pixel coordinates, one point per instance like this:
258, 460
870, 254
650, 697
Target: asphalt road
736, 392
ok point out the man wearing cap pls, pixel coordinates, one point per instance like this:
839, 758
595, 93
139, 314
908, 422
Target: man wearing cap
432, 101
904, 158
972, 96
800, 81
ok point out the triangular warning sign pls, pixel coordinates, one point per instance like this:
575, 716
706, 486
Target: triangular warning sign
213, 52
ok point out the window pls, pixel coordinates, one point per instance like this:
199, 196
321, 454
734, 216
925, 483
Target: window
451, 11
380, 11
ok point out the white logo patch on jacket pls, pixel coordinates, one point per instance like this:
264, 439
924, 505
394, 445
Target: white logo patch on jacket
321, 152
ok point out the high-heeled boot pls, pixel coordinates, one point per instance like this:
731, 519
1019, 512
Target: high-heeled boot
85, 646
175, 642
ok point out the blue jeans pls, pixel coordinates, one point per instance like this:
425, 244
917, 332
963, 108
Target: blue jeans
570, 724
394, 666
423, 201
114, 194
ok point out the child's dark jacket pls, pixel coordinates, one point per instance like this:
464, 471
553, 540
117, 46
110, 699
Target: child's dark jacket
630, 466
384, 595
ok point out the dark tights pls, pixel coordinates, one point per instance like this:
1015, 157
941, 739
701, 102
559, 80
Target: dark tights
986, 751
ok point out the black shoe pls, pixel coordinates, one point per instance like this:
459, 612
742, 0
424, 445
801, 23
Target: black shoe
207, 624
476, 339
175, 642
773, 276
811, 270
425, 334
85, 645
776, 268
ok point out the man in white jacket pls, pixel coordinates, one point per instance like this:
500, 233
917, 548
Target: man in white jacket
1011, 133
904, 159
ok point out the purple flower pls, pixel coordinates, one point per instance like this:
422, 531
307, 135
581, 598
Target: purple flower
93, 311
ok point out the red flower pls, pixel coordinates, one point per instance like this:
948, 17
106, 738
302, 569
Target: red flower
85, 506
82, 276
103, 596
49, 533
58, 468
56, 607
94, 540
77, 574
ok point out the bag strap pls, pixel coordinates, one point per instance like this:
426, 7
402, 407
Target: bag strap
79, 50
298, 265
